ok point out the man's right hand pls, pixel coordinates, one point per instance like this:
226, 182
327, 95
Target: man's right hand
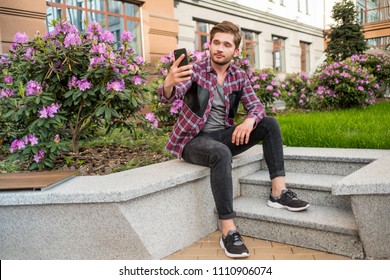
176, 75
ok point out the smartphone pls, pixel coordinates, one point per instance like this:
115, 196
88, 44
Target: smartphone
177, 53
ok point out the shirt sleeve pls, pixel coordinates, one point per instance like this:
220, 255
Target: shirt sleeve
177, 92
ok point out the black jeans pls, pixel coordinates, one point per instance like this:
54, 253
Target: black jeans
215, 149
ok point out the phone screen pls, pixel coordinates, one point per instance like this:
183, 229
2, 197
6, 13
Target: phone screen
177, 53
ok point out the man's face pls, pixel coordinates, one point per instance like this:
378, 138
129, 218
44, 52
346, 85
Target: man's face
222, 48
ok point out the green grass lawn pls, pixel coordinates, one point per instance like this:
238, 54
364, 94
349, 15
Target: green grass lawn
353, 128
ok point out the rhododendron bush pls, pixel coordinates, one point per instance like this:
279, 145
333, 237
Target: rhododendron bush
63, 85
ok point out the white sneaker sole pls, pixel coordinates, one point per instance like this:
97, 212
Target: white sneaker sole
280, 206
230, 255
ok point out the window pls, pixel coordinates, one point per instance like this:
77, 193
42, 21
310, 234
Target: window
250, 45
115, 16
379, 43
202, 34
278, 54
373, 10
305, 56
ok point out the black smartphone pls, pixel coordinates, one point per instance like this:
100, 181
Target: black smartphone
177, 53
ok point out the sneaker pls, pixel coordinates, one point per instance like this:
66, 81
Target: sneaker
289, 200
233, 245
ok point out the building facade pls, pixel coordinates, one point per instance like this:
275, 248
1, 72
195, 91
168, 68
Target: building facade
286, 35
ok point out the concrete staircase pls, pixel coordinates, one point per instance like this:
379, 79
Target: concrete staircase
328, 225
123, 215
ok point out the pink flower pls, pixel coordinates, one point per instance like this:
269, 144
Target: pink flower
100, 48
72, 39
107, 36
95, 28
29, 54
6, 92
43, 113
73, 82
38, 157
33, 88
57, 138
96, 60
49, 111
126, 37
137, 80
32, 139
116, 85
269, 87
165, 59
139, 60
21, 38
176, 107
84, 84
8, 80
17, 144
152, 119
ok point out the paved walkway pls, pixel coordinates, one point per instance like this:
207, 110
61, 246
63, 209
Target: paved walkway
208, 249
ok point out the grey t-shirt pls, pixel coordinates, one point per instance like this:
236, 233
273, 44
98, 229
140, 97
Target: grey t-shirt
216, 119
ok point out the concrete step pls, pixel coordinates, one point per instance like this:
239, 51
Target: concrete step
328, 161
314, 188
322, 228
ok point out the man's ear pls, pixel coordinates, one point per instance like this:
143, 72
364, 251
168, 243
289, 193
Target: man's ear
237, 52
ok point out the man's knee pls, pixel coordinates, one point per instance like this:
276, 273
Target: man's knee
221, 153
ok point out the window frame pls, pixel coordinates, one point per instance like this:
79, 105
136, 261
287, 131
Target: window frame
364, 13
305, 56
64, 7
281, 50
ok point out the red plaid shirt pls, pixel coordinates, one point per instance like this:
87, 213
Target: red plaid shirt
189, 124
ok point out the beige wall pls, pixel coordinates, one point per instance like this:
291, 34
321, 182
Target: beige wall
160, 28
377, 29
20, 16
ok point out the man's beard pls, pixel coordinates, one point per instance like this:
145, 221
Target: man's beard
223, 62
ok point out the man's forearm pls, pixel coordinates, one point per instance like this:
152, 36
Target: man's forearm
167, 90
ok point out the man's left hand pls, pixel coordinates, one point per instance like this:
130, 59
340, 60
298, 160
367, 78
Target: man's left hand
242, 132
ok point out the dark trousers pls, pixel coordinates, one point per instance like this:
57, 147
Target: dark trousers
215, 149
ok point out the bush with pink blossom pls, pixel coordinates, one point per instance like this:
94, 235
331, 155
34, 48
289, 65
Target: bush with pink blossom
344, 84
65, 84
297, 91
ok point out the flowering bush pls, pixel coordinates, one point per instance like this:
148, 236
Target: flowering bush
57, 87
344, 84
297, 91
263, 81
378, 65
265, 84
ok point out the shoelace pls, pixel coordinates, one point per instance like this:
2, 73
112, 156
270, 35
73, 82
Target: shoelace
235, 239
290, 194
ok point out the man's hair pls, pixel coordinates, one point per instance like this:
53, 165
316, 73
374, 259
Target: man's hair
227, 27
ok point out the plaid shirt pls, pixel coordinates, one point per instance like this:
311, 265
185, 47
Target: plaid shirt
189, 124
